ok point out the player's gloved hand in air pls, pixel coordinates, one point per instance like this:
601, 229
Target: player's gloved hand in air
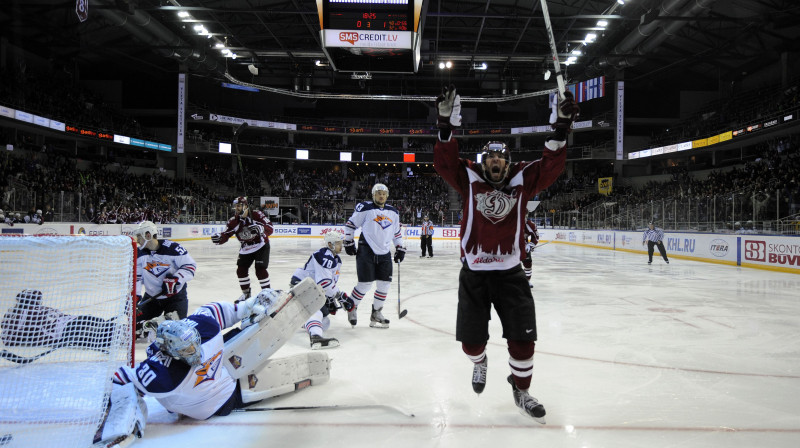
564, 114
448, 105
350, 247
215, 238
170, 287
399, 254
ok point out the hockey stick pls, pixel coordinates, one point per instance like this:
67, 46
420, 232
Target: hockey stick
543, 244
5, 354
556, 64
236, 133
333, 407
400, 314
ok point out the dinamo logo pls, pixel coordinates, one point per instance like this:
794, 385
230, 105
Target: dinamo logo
495, 205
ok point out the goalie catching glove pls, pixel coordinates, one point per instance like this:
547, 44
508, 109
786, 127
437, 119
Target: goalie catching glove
399, 254
448, 106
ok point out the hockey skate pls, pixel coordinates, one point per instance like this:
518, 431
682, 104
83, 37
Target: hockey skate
352, 310
479, 375
527, 404
376, 320
319, 342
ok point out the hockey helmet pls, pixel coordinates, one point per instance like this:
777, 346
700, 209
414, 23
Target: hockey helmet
331, 238
240, 200
491, 149
140, 233
29, 297
380, 187
39, 211
181, 340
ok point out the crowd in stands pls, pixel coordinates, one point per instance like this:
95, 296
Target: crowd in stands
767, 187
56, 95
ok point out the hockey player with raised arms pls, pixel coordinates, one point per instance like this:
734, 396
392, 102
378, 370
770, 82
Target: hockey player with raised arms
163, 269
380, 230
323, 267
495, 193
252, 228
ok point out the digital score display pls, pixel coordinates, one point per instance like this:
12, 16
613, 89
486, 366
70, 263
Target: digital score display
376, 15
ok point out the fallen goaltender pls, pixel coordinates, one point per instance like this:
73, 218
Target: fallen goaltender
193, 369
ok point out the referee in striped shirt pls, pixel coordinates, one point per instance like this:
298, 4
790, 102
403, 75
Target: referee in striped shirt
654, 237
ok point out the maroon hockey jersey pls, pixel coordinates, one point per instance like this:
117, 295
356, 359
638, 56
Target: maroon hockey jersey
490, 215
250, 241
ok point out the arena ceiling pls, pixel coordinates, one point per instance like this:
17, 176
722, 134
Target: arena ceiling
692, 43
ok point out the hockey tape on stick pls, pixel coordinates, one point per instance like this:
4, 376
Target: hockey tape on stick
333, 407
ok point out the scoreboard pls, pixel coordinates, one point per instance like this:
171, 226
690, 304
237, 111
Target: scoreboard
381, 36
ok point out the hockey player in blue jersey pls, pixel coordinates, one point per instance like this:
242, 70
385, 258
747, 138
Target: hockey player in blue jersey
163, 269
380, 230
323, 267
192, 368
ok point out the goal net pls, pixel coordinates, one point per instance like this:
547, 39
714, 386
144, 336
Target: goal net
67, 325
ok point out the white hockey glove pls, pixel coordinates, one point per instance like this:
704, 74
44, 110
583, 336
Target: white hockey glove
254, 309
448, 105
529, 247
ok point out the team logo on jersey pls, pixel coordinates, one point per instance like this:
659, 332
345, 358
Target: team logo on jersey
383, 221
156, 268
495, 205
208, 370
245, 234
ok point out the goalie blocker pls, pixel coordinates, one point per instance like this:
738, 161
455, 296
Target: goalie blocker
192, 347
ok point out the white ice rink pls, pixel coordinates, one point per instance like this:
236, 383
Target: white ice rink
629, 355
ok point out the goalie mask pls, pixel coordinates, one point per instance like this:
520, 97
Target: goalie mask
181, 340
146, 232
333, 241
495, 161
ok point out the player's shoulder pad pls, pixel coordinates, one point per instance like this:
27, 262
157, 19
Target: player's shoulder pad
365, 206
206, 325
325, 254
391, 208
169, 372
171, 248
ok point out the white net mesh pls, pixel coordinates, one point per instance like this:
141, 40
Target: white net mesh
66, 327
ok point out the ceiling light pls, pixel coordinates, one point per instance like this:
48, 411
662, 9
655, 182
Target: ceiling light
576, 52
183, 14
590, 38
481, 66
253, 69
621, 2
219, 45
572, 59
448, 64
441, 65
547, 75
198, 27
602, 23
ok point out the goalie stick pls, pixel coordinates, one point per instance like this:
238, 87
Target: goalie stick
333, 407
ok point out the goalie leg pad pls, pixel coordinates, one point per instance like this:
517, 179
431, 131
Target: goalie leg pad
283, 375
249, 350
126, 418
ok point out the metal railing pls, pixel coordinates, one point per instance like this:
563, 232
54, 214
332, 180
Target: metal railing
737, 212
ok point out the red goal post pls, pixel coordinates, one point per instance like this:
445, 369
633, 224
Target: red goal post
67, 322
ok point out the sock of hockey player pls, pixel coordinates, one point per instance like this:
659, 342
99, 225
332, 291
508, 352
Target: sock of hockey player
527, 404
